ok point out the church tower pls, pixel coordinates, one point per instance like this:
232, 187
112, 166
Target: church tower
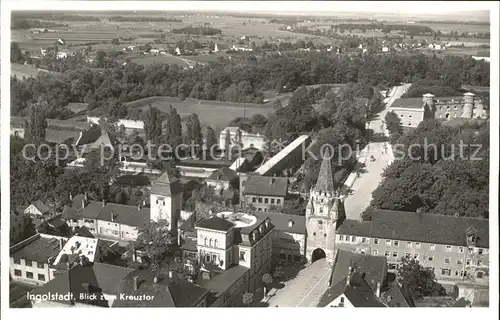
324, 213
166, 201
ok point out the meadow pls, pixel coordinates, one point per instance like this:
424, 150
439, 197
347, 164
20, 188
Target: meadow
211, 113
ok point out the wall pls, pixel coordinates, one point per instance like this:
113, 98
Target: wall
288, 246
46, 272
218, 243
341, 302
263, 206
409, 117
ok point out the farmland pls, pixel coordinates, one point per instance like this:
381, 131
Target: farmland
211, 113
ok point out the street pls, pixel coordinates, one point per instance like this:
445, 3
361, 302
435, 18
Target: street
306, 289
370, 177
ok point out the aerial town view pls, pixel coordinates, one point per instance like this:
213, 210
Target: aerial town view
228, 158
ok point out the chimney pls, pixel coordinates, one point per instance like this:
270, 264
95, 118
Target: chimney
70, 196
171, 274
60, 243
103, 203
136, 283
156, 279
348, 281
139, 207
83, 203
86, 196
378, 290
290, 223
112, 217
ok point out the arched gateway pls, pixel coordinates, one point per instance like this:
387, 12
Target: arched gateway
324, 212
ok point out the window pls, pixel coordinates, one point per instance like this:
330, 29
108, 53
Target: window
215, 243
210, 243
18, 273
446, 260
254, 199
388, 243
321, 210
375, 252
479, 275
445, 272
341, 299
260, 200
353, 239
396, 243
480, 251
363, 240
266, 200
430, 258
408, 254
387, 253
375, 241
272, 201
29, 275
415, 256
40, 265
207, 258
448, 249
341, 237
348, 238
314, 233
205, 241
461, 249
417, 245
479, 262
28, 263
41, 277
433, 247
394, 254
325, 235
215, 258
468, 262
17, 261
408, 244
242, 255
471, 250
459, 261
278, 201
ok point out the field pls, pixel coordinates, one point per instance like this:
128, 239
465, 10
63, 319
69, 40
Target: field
211, 113
20, 71
150, 59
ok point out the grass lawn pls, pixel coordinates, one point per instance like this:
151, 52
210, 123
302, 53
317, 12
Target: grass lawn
213, 113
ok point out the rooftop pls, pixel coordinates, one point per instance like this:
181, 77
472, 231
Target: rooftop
223, 174
222, 282
373, 267
419, 227
215, 223
79, 279
266, 186
285, 222
262, 170
166, 185
408, 103
357, 291
166, 292
39, 248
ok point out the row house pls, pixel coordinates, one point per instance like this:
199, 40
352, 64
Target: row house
454, 248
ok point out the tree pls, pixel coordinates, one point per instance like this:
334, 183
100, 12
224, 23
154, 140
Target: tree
227, 144
194, 134
268, 281
152, 124
36, 123
210, 138
419, 281
393, 123
15, 53
156, 242
247, 298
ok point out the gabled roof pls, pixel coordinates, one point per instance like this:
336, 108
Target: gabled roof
358, 292
89, 136
408, 103
397, 297
373, 267
167, 292
128, 215
418, 227
266, 186
84, 232
215, 223
325, 176
223, 174
40, 206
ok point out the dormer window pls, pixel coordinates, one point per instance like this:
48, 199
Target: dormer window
290, 223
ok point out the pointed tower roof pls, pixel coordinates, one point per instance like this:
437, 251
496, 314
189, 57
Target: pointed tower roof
325, 176
166, 186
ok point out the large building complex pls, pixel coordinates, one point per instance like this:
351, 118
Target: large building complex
411, 110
